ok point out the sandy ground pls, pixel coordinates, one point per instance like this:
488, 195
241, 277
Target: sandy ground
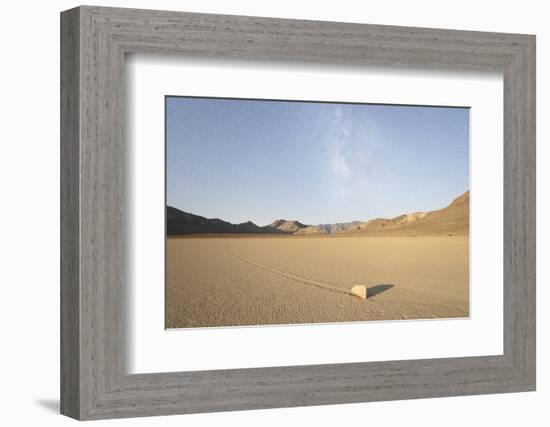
228, 281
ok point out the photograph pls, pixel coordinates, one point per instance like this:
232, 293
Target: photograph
285, 212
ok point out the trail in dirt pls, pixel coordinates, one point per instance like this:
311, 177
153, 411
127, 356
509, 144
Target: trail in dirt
293, 277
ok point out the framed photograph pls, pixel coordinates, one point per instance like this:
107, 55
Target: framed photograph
262, 213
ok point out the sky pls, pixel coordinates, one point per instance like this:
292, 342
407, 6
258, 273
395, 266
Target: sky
314, 162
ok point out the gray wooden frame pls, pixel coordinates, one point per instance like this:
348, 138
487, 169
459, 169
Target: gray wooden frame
94, 382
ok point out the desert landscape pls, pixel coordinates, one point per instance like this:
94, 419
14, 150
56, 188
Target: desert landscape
297, 212
413, 266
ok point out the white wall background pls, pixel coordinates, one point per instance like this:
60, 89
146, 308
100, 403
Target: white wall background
29, 225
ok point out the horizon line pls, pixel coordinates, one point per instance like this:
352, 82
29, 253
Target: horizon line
320, 223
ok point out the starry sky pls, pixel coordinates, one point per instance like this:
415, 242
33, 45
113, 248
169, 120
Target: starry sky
315, 162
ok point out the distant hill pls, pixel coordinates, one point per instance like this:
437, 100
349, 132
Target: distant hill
180, 222
340, 227
287, 226
453, 219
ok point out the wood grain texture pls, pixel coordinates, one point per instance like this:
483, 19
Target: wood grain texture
70, 292
94, 382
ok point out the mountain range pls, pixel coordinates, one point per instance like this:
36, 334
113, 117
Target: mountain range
452, 219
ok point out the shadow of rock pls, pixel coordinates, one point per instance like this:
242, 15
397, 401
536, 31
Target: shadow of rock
51, 405
377, 289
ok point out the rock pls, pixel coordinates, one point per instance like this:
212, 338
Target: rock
359, 291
